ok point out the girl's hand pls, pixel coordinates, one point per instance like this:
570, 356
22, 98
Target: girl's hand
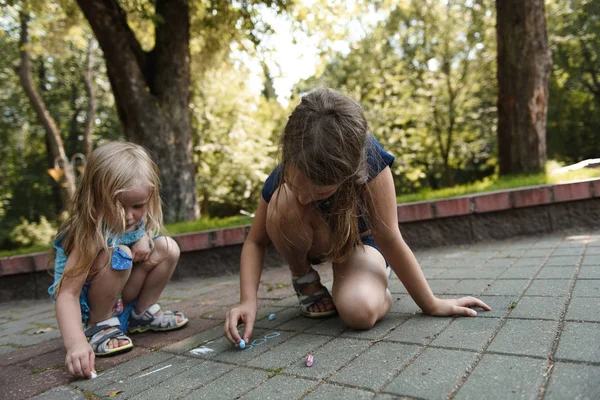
246, 313
447, 307
80, 360
142, 249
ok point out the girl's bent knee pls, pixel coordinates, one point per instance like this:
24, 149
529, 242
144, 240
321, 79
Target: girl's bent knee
359, 318
167, 248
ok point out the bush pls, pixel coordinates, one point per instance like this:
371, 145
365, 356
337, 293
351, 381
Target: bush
32, 233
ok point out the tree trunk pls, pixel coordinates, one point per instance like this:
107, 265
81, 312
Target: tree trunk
54, 139
152, 93
524, 66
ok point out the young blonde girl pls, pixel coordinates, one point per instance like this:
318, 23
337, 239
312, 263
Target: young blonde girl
111, 263
333, 199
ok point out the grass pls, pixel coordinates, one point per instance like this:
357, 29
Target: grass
499, 183
486, 185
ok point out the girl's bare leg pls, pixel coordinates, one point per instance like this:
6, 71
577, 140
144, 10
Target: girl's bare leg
105, 286
148, 279
360, 288
299, 234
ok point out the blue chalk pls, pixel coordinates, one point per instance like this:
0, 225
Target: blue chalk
272, 317
242, 344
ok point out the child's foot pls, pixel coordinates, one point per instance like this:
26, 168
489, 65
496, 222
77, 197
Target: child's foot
154, 319
106, 337
315, 300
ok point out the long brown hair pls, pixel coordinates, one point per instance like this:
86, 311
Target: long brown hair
325, 139
95, 212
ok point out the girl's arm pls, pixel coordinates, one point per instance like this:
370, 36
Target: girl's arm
384, 224
251, 264
80, 356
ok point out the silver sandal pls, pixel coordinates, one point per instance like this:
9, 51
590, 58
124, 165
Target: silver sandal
99, 334
148, 320
306, 301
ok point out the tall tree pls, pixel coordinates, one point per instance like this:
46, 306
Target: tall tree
152, 92
54, 139
524, 66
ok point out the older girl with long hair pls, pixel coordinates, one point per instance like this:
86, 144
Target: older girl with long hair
332, 198
111, 262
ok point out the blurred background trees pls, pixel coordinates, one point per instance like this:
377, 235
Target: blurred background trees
425, 71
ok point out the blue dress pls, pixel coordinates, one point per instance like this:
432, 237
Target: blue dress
119, 260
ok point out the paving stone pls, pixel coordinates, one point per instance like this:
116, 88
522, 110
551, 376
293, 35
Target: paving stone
579, 342
591, 259
231, 385
432, 273
331, 326
557, 273
281, 387
329, 358
433, 374
568, 251
525, 337
539, 308
381, 328
587, 288
535, 252
569, 261
499, 263
197, 375
298, 324
519, 273
549, 287
406, 306
439, 286
484, 272
282, 317
507, 287
420, 329
467, 333
582, 309
61, 393
503, 377
574, 382
149, 377
471, 287
510, 253
286, 302
377, 366
589, 272
529, 262
122, 371
289, 351
328, 392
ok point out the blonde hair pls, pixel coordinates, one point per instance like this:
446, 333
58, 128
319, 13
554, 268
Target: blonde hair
325, 139
95, 212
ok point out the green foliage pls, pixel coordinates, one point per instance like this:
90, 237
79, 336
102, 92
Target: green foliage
33, 233
425, 77
574, 111
205, 224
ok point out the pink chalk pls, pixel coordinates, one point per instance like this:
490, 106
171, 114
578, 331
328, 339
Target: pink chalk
309, 360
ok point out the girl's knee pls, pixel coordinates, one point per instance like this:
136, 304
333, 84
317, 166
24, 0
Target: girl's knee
360, 309
167, 248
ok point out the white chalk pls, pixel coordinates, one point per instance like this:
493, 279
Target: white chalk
94, 375
242, 343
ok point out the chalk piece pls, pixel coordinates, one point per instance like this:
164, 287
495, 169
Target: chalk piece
242, 344
309, 360
94, 375
272, 317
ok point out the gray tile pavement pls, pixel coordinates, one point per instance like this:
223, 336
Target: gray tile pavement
539, 341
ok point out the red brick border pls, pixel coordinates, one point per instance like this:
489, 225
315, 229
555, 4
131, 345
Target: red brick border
409, 212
